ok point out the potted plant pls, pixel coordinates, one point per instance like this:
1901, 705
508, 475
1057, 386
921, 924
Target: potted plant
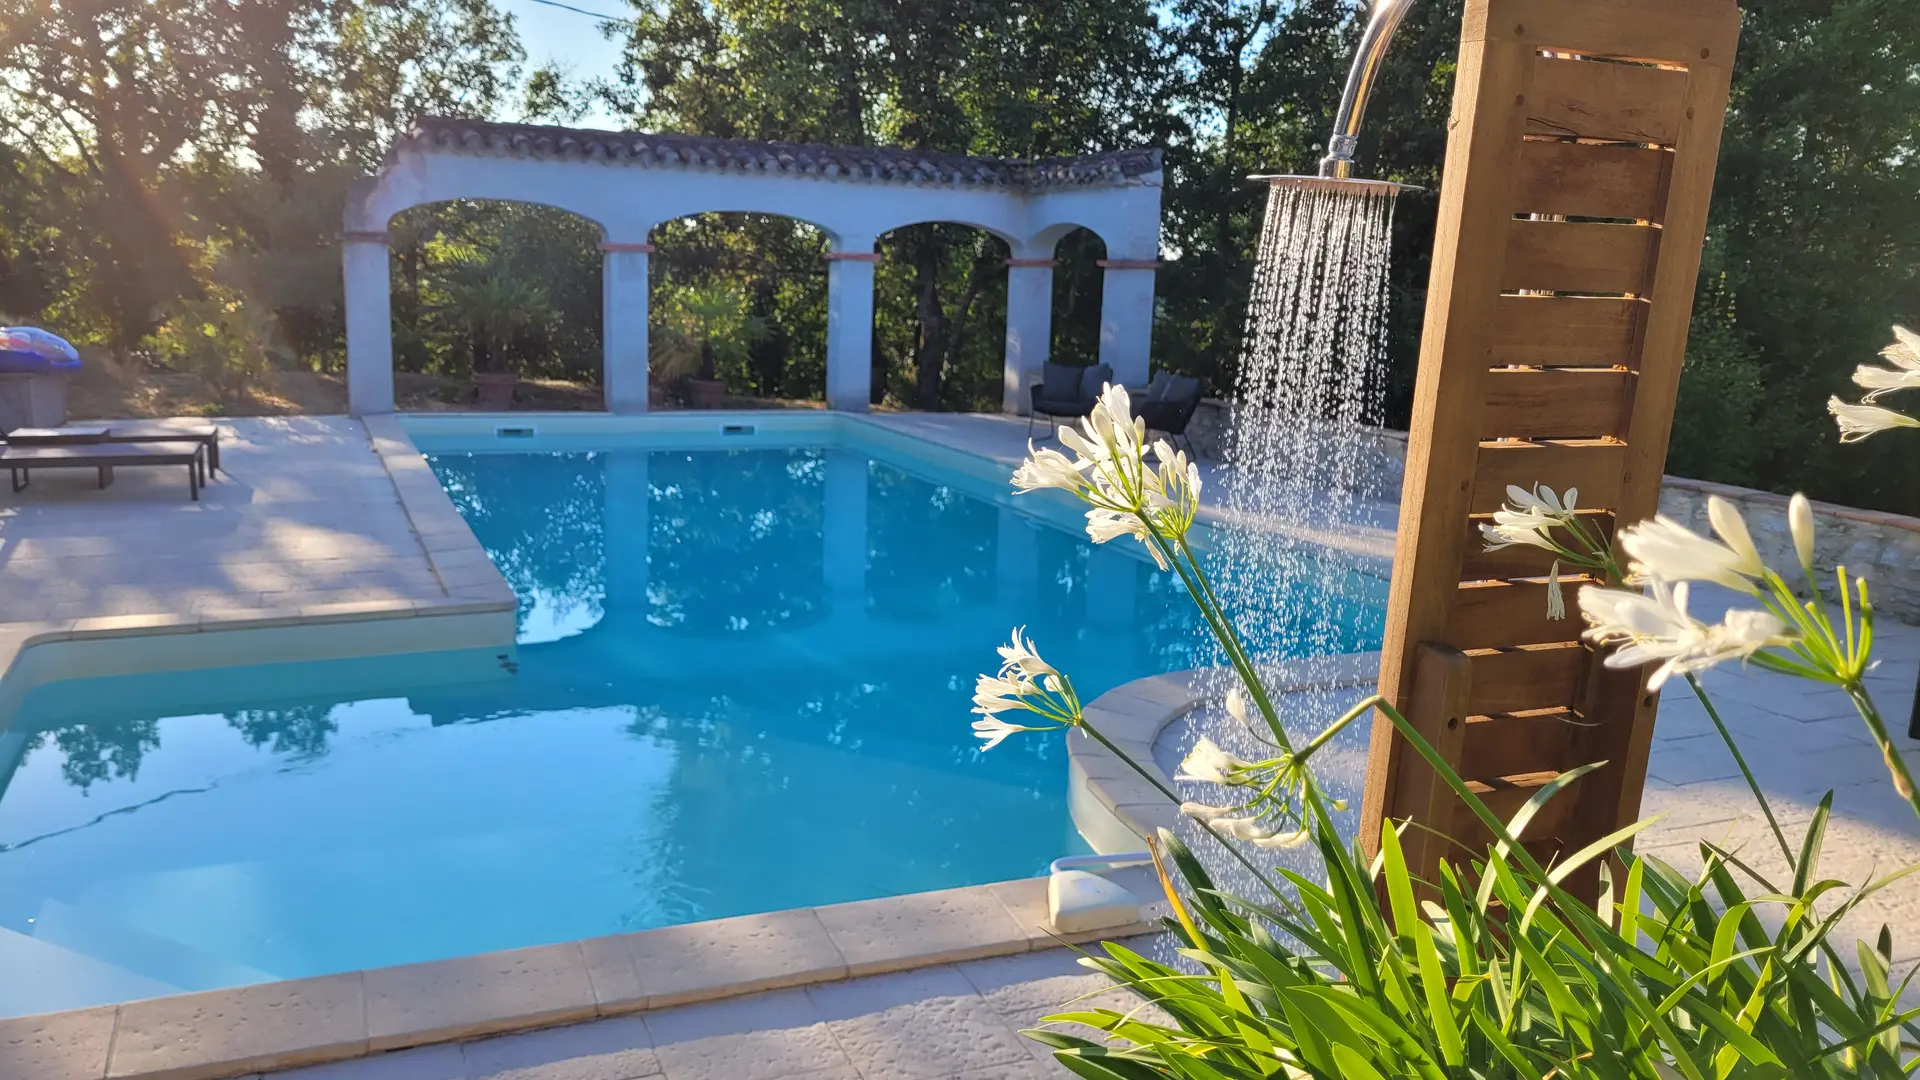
701, 327
492, 307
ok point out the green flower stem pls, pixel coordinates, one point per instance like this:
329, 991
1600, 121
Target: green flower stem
1175, 798
1740, 759
1195, 579
1896, 764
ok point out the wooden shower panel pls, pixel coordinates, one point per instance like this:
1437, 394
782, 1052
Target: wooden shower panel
1572, 212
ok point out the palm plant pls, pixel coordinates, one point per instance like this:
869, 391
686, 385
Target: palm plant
702, 326
491, 305
1493, 968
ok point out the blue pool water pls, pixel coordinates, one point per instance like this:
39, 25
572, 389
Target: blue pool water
742, 685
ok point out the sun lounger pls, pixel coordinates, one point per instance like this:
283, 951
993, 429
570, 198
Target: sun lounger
207, 435
105, 457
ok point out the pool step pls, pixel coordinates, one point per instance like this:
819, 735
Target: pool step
43, 977
139, 952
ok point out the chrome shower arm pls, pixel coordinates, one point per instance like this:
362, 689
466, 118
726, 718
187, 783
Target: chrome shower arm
1386, 18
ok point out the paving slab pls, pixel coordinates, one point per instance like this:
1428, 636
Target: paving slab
302, 507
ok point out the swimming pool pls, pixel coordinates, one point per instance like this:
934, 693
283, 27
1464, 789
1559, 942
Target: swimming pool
742, 684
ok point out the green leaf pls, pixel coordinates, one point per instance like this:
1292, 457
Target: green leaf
1810, 847
1525, 815
1399, 882
1354, 1067
1439, 1006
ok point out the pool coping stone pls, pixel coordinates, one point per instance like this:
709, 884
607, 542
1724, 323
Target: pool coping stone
242, 1030
478, 595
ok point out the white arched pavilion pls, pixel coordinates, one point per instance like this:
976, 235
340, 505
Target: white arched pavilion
629, 182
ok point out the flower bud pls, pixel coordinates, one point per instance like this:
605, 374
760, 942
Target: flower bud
1800, 520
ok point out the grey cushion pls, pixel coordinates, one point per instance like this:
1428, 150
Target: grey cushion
1168, 387
1094, 379
1060, 382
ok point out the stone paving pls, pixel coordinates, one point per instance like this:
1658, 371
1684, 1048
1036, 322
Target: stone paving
302, 514
951, 1022
1801, 739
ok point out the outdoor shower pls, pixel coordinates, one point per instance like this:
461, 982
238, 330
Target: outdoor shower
1309, 385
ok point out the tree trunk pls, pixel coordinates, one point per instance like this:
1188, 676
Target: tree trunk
984, 267
930, 352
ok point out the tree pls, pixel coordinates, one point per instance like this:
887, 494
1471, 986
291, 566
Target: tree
147, 119
1815, 239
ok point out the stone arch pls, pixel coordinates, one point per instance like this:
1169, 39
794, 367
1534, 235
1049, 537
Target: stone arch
783, 278
544, 255
950, 278
627, 182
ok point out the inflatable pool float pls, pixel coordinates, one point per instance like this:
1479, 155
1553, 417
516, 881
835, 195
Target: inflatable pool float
30, 350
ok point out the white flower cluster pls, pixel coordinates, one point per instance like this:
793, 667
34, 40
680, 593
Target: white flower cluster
1109, 471
1859, 421
1271, 818
1664, 557
1025, 683
1529, 518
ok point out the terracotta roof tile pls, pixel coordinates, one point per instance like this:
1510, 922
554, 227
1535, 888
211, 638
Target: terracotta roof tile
880, 163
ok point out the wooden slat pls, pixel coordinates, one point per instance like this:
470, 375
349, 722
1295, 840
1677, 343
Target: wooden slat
1592, 99
1556, 403
1577, 256
1492, 614
1594, 466
1687, 32
1567, 331
1438, 710
1585, 180
1506, 795
1517, 560
1525, 679
1505, 745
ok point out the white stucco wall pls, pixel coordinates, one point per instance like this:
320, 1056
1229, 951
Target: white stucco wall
627, 199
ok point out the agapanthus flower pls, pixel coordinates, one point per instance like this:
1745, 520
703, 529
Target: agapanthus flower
1024, 683
1859, 421
1655, 626
1108, 470
1665, 549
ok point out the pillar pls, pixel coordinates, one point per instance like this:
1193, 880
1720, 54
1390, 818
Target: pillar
850, 325
843, 533
1016, 557
1126, 318
369, 311
1113, 581
1029, 329
623, 322
626, 529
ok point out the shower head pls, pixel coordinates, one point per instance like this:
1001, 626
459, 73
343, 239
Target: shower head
1381, 24
1350, 185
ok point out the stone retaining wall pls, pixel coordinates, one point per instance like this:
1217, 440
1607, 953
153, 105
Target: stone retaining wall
1885, 548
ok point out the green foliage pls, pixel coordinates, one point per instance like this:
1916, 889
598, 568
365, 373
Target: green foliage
219, 337
1816, 225
1498, 972
776, 262
1721, 395
497, 286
